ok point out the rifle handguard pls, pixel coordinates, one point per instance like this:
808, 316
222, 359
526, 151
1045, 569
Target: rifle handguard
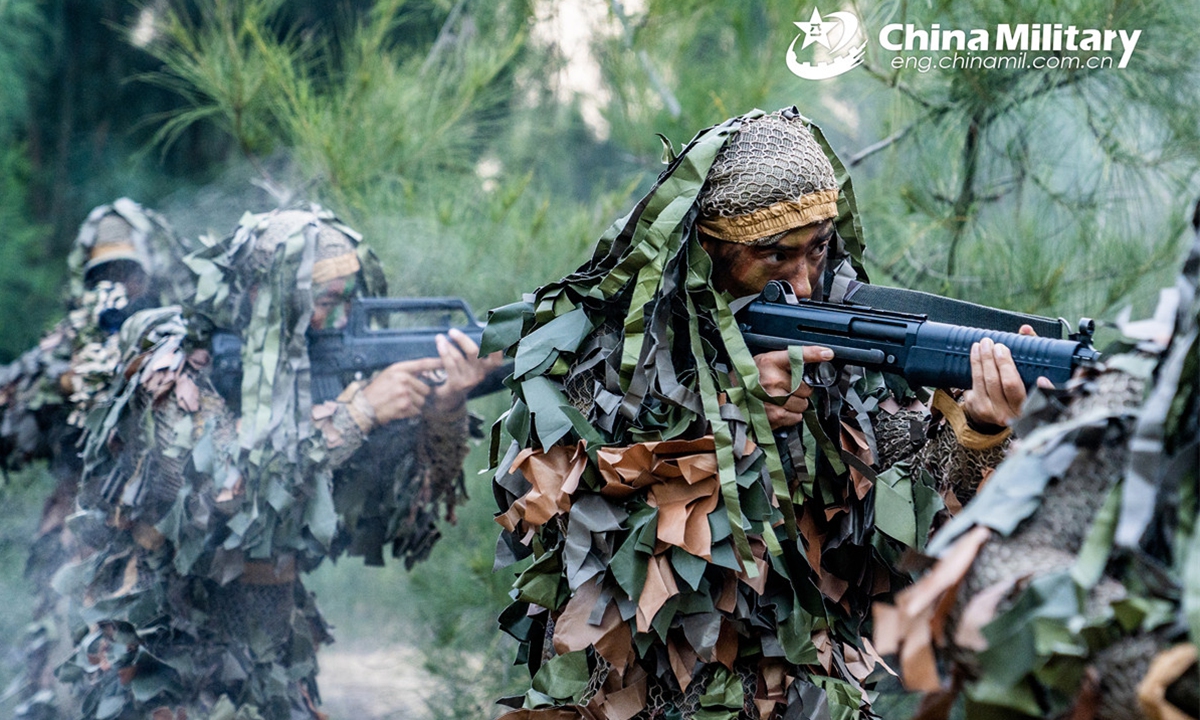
924, 352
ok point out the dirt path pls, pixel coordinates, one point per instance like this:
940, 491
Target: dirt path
373, 685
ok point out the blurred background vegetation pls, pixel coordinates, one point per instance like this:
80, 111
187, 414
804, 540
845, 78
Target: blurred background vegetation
482, 145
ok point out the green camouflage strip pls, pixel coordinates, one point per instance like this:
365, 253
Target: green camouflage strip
725, 459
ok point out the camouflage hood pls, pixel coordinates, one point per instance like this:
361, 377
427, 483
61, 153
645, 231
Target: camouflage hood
125, 230
645, 291
640, 463
259, 280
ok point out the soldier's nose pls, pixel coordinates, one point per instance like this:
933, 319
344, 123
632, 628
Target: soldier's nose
801, 285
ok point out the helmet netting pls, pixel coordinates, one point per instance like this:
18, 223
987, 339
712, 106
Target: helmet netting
771, 159
157, 248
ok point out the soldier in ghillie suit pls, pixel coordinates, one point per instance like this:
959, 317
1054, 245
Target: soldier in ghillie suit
681, 567
125, 257
1070, 586
206, 509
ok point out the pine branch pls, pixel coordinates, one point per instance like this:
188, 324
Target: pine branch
444, 38
660, 87
960, 215
890, 140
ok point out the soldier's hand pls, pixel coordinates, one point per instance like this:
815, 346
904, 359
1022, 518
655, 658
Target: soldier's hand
463, 367
775, 376
398, 390
997, 391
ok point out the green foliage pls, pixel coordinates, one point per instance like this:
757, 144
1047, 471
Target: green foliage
715, 59
1054, 191
389, 126
382, 112
438, 128
375, 102
222, 64
27, 267
21, 31
28, 270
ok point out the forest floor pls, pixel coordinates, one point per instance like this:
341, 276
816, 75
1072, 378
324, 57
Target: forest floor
382, 684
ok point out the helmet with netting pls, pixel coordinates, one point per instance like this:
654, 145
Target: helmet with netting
128, 233
334, 246
770, 177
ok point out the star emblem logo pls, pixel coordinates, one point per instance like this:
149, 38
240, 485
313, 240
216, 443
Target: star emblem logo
843, 45
815, 30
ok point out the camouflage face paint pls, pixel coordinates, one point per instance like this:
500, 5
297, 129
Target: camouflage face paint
331, 303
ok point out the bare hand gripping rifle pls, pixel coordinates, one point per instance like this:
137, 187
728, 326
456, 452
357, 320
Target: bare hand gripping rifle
379, 332
924, 352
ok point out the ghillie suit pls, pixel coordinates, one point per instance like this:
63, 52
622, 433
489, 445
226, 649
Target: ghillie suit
206, 507
680, 567
45, 395
1070, 586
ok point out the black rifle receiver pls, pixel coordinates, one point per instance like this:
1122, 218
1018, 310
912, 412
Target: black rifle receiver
367, 343
922, 351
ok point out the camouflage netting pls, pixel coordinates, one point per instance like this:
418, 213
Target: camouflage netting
74, 361
771, 176
204, 518
1071, 585
47, 393
127, 231
680, 566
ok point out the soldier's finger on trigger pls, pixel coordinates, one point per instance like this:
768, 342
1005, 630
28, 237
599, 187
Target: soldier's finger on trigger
415, 367
816, 354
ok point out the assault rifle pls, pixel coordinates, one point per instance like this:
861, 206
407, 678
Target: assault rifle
923, 351
379, 332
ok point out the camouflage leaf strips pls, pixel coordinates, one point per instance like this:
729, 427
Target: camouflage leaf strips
204, 516
1070, 583
676, 566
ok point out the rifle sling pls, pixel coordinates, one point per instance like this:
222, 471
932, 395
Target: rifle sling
948, 310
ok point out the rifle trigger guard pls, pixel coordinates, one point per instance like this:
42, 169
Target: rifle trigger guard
820, 375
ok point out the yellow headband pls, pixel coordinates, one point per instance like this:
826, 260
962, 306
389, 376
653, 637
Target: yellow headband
100, 252
780, 217
335, 267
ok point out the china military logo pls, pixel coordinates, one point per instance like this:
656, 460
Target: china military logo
837, 45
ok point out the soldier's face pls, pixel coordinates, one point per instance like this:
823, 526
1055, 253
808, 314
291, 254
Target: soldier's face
798, 257
331, 303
